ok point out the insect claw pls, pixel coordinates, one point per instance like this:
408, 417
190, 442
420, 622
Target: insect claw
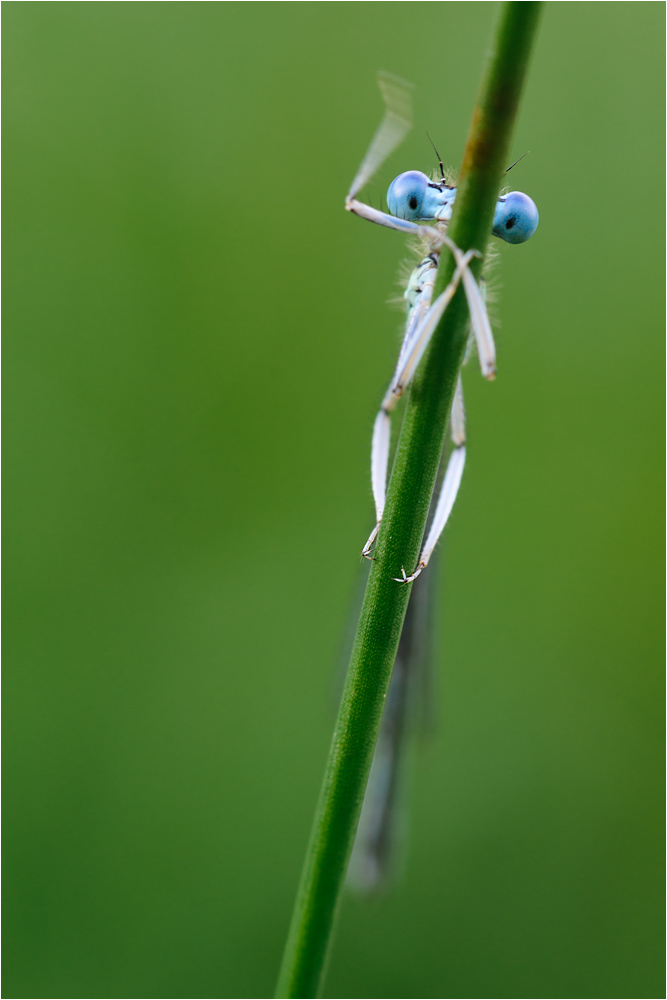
412, 577
369, 547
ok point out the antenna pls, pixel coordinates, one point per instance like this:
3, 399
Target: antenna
516, 161
442, 169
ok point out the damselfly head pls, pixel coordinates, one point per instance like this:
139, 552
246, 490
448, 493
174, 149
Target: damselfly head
413, 196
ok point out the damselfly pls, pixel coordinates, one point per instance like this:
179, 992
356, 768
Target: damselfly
414, 199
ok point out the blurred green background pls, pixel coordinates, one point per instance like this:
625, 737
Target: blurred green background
196, 341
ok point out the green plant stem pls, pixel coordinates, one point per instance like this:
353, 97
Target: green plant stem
409, 496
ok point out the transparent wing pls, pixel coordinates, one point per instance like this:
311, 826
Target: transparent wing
408, 709
395, 125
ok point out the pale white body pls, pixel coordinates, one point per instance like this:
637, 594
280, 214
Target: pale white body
373, 842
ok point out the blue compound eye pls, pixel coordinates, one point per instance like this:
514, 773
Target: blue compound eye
405, 196
516, 217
